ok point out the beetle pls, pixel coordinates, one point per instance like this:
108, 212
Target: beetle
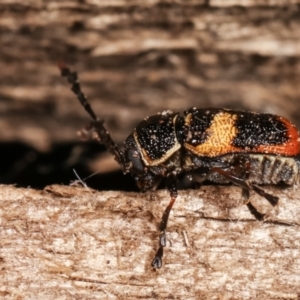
220, 145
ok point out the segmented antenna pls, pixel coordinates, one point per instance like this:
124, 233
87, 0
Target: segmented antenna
97, 123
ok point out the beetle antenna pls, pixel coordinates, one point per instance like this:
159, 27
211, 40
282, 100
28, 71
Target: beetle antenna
97, 123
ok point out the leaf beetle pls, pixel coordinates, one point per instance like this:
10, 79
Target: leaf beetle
220, 145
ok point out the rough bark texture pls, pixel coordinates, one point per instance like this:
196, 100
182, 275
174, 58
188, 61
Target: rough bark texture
73, 243
134, 58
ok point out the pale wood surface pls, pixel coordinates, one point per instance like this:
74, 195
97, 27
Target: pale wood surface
73, 243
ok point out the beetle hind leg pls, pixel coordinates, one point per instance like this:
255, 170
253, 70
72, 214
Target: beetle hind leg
273, 200
246, 188
246, 195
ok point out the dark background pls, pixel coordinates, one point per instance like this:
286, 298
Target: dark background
134, 58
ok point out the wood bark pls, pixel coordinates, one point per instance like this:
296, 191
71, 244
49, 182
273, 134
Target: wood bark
68, 242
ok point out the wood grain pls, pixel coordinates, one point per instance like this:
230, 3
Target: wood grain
73, 243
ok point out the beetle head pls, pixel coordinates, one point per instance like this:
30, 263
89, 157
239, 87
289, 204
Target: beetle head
144, 178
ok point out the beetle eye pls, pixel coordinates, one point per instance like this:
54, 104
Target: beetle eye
135, 158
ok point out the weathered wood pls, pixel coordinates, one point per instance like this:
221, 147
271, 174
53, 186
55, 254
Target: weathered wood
73, 243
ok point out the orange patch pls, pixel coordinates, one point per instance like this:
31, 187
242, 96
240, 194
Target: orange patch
220, 135
222, 132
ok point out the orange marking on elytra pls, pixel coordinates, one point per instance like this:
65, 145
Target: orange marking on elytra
289, 148
220, 135
222, 132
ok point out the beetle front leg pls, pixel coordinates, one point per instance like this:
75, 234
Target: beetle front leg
172, 188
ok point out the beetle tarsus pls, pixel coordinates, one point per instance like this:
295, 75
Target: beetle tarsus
157, 261
258, 216
162, 239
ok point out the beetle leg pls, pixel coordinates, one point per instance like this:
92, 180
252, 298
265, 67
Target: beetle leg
172, 188
258, 216
97, 124
246, 195
271, 198
246, 186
